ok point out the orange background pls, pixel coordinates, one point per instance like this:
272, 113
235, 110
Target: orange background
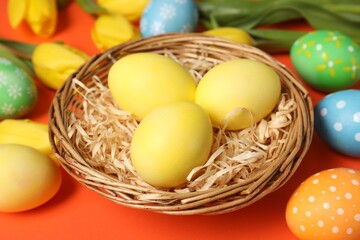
79, 213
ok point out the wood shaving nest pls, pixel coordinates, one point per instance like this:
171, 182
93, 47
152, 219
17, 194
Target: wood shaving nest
104, 133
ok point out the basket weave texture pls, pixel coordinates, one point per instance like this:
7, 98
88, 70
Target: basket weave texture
68, 104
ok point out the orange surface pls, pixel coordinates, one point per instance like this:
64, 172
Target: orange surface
79, 213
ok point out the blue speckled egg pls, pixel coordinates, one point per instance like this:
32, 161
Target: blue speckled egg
167, 16
337, 121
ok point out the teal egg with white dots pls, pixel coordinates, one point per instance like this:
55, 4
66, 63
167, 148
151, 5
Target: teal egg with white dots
18, 93
337, 121
168, 16
327, 60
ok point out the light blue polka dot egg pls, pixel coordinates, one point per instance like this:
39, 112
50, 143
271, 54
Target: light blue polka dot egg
168, 16
337, 121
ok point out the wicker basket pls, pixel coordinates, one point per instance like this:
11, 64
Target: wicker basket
236, 193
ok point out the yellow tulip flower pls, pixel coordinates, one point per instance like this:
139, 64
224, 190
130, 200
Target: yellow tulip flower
41, 15
25, 132
55, 62
110, 30
130, 9
231, 33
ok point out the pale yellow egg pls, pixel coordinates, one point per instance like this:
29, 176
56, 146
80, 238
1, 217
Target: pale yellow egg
141, 82
28, 178
238, 92
169, 142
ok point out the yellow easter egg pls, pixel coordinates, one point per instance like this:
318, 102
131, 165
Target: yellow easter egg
238, 92
141, 82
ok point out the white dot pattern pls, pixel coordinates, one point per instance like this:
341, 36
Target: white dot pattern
323, 112
340, 211
295, 210
356, 117
341, 104
348, 195
338, 126
357, 137
328, 204
319, 47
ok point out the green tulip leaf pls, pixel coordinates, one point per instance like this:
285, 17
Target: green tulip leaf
90, 6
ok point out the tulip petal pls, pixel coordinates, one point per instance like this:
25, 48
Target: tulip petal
58, 56
130, 9
231, 33
42, 17
16, 11
110, 30
54, 62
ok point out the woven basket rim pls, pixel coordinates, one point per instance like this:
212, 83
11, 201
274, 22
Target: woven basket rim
212, 201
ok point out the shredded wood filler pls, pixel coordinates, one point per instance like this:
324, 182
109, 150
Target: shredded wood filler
103, 132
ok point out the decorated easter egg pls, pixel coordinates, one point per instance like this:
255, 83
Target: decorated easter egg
326, 206
166, 16
18, 93
327, 60
337, 121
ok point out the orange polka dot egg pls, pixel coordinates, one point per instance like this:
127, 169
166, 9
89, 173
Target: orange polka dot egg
326, 206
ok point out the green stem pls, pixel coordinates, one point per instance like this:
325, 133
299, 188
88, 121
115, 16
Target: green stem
20, 49
213, 22
90, 6
20, 53
348, 8
275, 40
